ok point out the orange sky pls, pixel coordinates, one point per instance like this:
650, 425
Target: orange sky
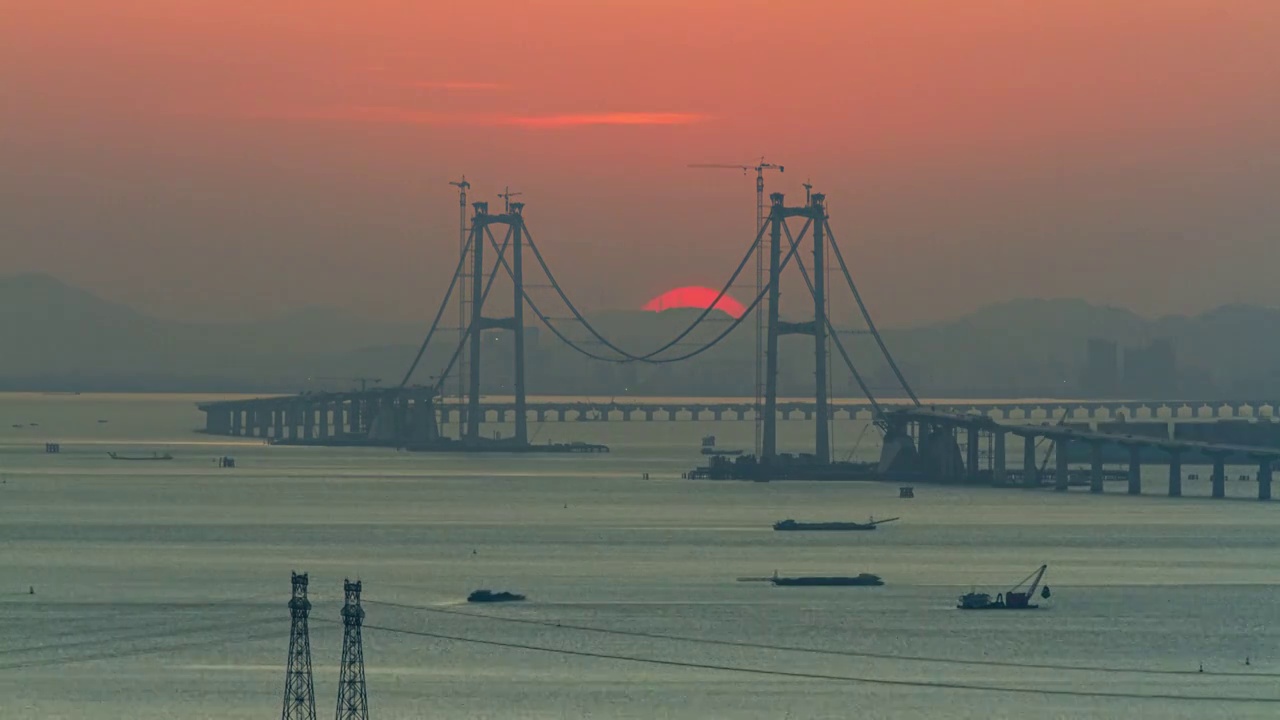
224, 158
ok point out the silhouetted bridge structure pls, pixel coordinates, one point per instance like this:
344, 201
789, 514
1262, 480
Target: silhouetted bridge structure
922, 439
335, 414
919, 438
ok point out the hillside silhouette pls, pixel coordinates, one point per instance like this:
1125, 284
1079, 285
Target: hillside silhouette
60, 338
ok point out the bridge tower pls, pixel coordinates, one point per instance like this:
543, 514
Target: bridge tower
480, 223
353, 700
816, 212
299, 692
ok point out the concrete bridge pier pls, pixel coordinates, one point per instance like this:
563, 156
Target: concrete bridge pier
1219, 476
1095, 476
1030, 475
1135, 470
237, 422
356, 418
277, 419
971, 451
1061, 471
1175, 473
999, 461
1264, 479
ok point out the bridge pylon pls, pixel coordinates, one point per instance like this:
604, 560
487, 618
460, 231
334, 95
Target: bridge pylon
481, 222
815, 212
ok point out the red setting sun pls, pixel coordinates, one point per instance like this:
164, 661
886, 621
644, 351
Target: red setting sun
694, 297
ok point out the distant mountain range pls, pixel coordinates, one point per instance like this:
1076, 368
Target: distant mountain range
54, 337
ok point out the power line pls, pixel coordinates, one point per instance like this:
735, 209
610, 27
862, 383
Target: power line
821, 676
819, 651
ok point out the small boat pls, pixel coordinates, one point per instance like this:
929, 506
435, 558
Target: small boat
820, 581
152, 456
488, 596
870, 524
1013, 599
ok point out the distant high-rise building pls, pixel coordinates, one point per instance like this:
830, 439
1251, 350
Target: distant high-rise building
1101, 368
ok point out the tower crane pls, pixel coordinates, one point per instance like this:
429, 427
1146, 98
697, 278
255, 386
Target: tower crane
506, 196
759, 169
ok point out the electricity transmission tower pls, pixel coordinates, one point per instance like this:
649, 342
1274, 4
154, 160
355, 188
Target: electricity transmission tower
299, 692
353, 700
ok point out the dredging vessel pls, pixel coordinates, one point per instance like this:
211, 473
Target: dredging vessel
795, 525
1012, 599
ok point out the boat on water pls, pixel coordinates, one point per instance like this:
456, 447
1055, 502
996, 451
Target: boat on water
1012, 599
488, 596
152, 456
826, 581
795, 525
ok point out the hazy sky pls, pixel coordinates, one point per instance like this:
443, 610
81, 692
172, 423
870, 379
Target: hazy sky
221, 158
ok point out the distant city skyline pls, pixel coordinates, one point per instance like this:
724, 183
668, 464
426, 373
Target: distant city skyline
242, 160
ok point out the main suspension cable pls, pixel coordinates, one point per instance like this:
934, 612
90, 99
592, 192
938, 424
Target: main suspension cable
546, 320
795, 244
471, 327
866, 315
422, 349
835, 338
714, 305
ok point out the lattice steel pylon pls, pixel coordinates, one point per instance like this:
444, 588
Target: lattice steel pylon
353, 700
299, 692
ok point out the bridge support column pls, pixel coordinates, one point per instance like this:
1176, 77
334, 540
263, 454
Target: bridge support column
999, 460
1095, 476
1135, 470
971, 451
1061, 476
357, 417
237, 422
1030, 474
1219, 478
517, 273
277, 419
1264, 479
818, 213
769, 441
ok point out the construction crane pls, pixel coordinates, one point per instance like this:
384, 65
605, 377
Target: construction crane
506, 196
759, 168
364, 381
463, 292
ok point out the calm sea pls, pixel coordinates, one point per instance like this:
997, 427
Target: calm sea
160, 588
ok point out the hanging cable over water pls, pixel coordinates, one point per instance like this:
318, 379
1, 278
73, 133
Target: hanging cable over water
472, 326
795, 243
835, 337
866, 315
713, 305
453, 282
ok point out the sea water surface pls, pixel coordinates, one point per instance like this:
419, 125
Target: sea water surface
160, 588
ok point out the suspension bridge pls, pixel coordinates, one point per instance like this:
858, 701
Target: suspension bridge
920, 442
